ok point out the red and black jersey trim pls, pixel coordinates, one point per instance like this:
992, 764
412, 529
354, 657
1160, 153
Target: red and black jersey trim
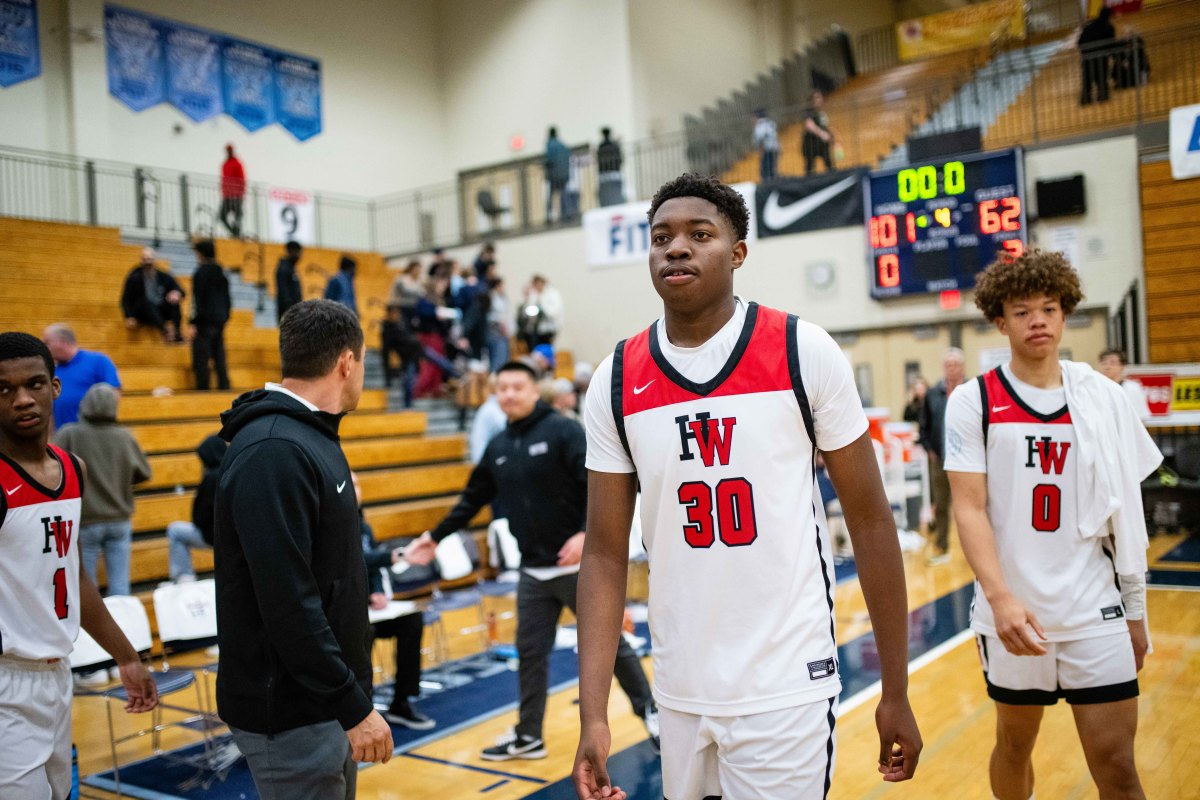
58, 453
793, 362
708, 387
983, 400
1051, 417
617, 385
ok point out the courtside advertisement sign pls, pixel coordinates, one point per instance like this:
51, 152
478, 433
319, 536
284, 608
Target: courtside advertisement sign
1172, 392
621, 234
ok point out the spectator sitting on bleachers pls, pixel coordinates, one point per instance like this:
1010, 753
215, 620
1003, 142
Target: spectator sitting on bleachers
184, 536
396, 338
433, 323
489, 420
151, 296
406, 629
541, 314
77, 370
560, 394
117, 464
498, 323
485, 261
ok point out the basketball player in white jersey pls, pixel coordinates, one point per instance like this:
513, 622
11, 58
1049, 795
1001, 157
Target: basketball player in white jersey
718, 410
1060, 590
43, 597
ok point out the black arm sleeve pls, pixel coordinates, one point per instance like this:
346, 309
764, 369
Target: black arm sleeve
481, 488
273, 494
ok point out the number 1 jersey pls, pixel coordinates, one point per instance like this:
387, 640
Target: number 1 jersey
39, 561
741, 569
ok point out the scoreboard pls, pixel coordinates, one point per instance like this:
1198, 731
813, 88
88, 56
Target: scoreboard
933, 226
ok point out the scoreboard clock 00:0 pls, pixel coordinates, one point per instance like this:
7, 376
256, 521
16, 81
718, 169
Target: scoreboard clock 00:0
933, 226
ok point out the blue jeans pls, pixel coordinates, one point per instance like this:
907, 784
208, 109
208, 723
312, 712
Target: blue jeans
183, 537
497, 347
112, 539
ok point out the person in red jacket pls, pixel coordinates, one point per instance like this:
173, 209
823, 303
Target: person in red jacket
233, 190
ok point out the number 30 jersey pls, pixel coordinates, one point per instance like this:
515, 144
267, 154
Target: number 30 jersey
741, 569
39, 561
1030, 455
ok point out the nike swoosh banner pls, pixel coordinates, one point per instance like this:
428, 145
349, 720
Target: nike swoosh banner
799, 205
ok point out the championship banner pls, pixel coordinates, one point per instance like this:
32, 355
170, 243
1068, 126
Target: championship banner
298, 95
621, 234
799, 205
959, 29
20, 47
135, 60
248, 84
194, 71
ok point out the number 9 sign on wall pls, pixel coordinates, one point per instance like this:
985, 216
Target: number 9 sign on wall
292, 216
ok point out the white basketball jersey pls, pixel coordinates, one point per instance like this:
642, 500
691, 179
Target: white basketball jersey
1068, 582
39, 561
741, 569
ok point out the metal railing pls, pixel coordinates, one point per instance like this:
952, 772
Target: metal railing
512, 198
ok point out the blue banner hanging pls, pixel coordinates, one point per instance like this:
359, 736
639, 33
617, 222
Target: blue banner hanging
298, 95
193, 71
248, 83
20, 51
136, 63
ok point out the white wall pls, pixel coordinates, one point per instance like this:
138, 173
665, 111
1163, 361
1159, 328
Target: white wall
382, 117
515, 67
607, 304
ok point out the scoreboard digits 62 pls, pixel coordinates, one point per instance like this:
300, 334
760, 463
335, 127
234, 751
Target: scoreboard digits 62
933, 226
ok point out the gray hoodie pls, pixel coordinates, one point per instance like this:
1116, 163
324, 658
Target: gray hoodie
115, 461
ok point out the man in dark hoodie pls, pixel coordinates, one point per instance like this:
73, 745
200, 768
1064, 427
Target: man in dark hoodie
287, 280
184, 536
211, 303
294, 683
106, 524
535, 467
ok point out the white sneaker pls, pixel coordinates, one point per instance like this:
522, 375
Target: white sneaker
92, 680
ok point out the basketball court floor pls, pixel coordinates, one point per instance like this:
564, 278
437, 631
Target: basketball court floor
946, 689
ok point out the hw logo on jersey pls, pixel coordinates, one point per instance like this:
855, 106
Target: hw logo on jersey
1052, 455
714, 439
60, 532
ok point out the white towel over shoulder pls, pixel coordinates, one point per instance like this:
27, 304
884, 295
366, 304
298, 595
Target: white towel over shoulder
1115, 455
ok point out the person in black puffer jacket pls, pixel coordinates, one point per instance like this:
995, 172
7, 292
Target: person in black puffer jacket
294, 680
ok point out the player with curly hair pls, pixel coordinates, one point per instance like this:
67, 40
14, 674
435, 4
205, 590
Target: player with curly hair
1045, 460
718, 410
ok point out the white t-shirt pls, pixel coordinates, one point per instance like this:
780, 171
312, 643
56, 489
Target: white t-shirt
741, 570
1030, 458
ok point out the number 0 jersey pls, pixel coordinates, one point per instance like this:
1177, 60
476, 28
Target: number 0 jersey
741, 569
1031, 459
39, 561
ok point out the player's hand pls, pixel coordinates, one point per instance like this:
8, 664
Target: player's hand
1016, 627
140, 686
377, 600
1141, 640
421, 550
572, 551
371, 740
899, 739
590, 773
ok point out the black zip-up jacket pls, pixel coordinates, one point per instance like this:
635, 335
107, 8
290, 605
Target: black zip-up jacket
291, 587
204, 505
932, 419
210, 295
535, 467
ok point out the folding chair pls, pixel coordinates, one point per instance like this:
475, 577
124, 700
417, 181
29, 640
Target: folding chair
130, 616
454, 563
186, 614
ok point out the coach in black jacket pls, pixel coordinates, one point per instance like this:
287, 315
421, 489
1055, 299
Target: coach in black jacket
291, 588
535, 469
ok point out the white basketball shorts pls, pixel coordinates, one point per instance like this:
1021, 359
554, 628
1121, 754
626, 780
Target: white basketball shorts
775, 755
35, 729
1082, 672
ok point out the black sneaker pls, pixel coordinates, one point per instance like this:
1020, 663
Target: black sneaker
650, 718
402, 713
510, 746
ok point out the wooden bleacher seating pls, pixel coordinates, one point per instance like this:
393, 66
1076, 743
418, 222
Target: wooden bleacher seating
410, 480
